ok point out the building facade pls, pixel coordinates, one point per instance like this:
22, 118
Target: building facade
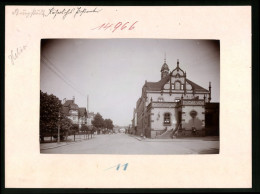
173, 106
133, 129
90, 118
78, 115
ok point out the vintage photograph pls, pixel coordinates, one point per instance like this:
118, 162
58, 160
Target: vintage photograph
129, 96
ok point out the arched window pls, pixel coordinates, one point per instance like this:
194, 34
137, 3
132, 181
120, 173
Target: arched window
167, 119
177, 85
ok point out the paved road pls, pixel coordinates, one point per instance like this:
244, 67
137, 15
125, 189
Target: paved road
125, 144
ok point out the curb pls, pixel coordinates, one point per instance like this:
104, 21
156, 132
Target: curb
63, 145
168, 140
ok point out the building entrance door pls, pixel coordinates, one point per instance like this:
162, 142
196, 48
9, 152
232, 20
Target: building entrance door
179, 118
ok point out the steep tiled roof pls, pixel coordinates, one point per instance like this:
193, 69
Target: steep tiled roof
74, 106
165, 67
196, 87
82, 111
68, 102
157, 86
71, 105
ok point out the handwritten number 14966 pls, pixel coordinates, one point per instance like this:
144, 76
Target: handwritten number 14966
114, 27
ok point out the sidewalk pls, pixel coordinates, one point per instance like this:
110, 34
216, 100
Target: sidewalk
45, 146
177, 139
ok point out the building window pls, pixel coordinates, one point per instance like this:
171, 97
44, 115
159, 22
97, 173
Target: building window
177, 99
167, 119
177, 85
182, 86
149, 120
160, 99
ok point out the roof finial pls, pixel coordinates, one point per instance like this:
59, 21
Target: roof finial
164, 57
177, 63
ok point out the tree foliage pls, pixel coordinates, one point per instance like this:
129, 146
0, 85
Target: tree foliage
98, 121
75, 127
50, 107
84, 128
65, 124
108, 123
51, 115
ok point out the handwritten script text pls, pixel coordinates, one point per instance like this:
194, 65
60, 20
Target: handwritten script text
14, 54
55, 12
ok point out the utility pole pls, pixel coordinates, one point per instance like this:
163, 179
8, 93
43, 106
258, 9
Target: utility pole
59, 129
87, 103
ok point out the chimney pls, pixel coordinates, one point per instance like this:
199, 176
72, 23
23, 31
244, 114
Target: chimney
73, 98
64, 100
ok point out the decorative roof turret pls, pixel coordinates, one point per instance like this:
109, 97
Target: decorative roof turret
165, 66
178, 70
165, 69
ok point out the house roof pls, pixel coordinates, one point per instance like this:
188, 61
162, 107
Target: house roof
165, 67
196, 87
157, 86
71, 104
82, 111
68, 102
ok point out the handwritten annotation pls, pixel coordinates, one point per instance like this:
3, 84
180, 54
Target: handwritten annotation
117, 167
114, 27
53, 12
14, 55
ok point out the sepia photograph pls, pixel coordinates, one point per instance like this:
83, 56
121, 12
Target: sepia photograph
129, 96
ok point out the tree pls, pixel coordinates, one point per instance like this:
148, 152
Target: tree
65, 126
98, 121
84, 128
108, 124
75, 127
50, 107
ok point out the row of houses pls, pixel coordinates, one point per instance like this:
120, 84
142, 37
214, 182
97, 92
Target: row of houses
174, 105
78, 115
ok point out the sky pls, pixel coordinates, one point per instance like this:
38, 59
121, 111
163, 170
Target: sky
112, 71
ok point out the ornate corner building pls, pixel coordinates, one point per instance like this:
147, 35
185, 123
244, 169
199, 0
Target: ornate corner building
175, 106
